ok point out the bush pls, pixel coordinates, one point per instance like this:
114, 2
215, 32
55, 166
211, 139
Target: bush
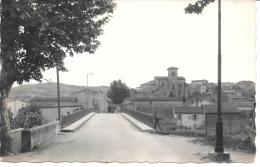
234, 142
28, 117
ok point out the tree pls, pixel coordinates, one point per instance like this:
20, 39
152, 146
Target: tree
28, 117
37, 35
198, 6
118, 92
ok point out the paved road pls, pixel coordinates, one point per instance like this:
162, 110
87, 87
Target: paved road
111, 138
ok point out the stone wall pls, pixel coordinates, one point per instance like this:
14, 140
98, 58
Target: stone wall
232, 124
36, 135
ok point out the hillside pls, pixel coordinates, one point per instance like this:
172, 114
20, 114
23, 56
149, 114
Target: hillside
27, 92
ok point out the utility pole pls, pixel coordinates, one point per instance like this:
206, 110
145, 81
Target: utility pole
87, 88
58, 92
219, 148
87, 77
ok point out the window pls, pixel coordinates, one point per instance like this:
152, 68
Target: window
173, 86
194, 117
173, 74
179, 116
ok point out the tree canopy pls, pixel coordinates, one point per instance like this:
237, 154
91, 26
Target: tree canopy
36, 35
198, 6
118, 92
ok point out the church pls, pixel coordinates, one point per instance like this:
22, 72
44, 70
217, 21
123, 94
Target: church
166, 86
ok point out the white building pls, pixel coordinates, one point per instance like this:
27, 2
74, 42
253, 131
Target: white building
92, 99
15, 105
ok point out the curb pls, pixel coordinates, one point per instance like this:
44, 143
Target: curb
151, 130
83, 120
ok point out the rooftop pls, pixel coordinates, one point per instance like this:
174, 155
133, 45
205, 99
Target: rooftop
149, 83
85, 90
172, 68
160, 78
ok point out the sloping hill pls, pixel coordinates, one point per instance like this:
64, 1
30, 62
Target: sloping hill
27, 92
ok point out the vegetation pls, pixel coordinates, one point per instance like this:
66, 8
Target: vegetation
118, 92
27, 117
37, 35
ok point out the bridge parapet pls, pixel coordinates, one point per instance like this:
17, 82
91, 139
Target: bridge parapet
36, 135
146, 118
73, 117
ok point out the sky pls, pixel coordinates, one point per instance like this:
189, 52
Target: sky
145, 37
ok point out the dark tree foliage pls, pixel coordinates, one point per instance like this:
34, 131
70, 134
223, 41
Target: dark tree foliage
37, 35
118, 92
197, 7
27, 117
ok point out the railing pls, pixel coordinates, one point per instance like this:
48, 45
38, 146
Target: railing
73, 117
147, 119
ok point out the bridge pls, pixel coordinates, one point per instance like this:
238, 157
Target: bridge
108, 137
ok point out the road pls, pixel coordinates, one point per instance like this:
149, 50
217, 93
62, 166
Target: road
111, 138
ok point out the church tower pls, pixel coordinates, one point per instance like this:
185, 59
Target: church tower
173, 81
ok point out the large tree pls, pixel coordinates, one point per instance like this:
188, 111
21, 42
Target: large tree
198, 6
37, 35
118, 92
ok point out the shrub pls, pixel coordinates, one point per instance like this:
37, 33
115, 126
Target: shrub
28, 117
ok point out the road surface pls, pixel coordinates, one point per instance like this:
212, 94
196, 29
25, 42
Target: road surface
111, 138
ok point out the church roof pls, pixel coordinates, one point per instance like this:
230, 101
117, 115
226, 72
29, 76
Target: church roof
181, 78
160, 78
149, 83
172, 68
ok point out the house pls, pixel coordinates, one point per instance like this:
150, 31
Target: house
166, 86
49, 107
92, 99
14, 105
203, 119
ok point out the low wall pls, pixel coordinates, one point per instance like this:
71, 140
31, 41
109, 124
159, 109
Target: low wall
36, 135
16, 136
232, 124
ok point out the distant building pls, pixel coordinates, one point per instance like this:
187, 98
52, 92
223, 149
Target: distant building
247, 88
199, 86
166, 86
92, 99
14, 105
49, 107
203, 119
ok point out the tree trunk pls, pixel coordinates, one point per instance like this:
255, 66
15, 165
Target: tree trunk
7, 70
4, 121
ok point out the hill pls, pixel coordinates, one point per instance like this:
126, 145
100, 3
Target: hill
27, 92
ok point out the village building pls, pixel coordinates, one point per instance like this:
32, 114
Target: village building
198, 86
92, 99
14, 105
49, 107
203, 119
166, 86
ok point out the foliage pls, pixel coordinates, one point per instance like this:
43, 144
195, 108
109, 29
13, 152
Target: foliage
118, 92
197, 7
38, 34
28, 117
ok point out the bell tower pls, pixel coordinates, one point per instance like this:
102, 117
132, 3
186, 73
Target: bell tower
173, 81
